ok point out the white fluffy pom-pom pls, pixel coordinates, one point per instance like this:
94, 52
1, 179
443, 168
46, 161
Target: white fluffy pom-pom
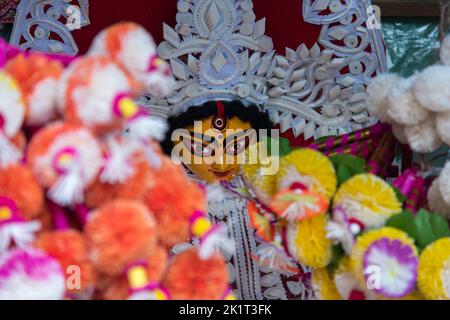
216, 240
432, 90
377, 92
443, 126
30, 275
445, 51
399, 133
42, 103
147, 127
444, 183
423, 137
9, 154
117, 167
403, 106
21, 233
436, 201
68, 188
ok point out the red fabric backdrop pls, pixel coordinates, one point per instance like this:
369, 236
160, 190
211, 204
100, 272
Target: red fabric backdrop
284, 22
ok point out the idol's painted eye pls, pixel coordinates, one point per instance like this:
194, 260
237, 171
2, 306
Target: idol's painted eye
201, 150
237, 146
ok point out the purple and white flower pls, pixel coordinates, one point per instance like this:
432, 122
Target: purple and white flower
395, 264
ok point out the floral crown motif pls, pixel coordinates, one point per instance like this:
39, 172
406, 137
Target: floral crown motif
219, 50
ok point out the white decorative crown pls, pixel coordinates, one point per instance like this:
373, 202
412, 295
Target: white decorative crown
38, 21
218, 50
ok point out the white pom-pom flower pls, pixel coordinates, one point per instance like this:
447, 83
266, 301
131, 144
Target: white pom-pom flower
443, 126
403, 106
377, 92
398, 131
436, 201
432, 90
445, 51
444, 183
423, 137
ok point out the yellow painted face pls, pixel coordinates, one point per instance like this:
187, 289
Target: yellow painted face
214, 150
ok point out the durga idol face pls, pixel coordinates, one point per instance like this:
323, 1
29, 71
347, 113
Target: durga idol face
211, 140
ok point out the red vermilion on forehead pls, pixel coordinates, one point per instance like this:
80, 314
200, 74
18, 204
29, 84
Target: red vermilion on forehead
220, 108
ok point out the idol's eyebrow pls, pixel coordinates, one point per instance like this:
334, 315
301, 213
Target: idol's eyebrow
202, 136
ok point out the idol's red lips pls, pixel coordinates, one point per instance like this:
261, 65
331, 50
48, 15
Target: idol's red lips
221, 174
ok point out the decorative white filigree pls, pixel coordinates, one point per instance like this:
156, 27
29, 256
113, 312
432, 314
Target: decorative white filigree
46, 25
321, 91
218, 50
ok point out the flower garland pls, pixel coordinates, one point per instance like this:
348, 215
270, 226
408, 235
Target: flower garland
358, 233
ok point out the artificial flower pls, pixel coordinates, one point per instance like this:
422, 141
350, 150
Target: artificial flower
310, 168
367, 199
342, 229
263, 185
297, 204
307, 241
323, 285
262, 225
386, 261
434, 270
347, 285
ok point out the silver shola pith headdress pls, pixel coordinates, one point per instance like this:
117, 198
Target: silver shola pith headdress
218, 50
38, 21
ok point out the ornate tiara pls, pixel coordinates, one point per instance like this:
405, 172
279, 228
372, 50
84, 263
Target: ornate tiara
218, 50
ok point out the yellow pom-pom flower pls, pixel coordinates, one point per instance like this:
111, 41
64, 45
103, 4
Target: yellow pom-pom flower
434, 270
310, 168
323, 285
264, 186
307, 241
367, 198
386, 262
257, 171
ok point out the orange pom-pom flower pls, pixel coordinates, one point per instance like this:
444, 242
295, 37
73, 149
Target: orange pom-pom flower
65, 158
37, 77
207, 280
98, 93
70, 249
131, 46
127, 174
120, 233
18, 183
18, 204
173, 199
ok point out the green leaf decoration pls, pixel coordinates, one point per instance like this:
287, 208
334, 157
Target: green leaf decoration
425, 228
343, 173
430, 227
336, 255
347, 166
404, 221
284, 145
